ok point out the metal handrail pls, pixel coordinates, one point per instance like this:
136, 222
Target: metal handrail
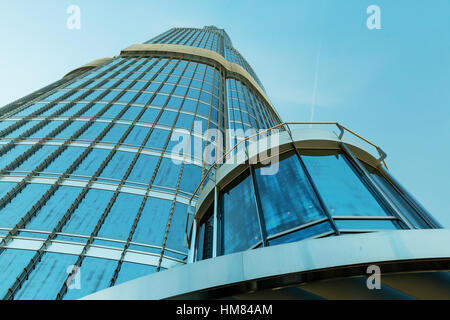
285, 126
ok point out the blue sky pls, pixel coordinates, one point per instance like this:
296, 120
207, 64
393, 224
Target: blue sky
391, 85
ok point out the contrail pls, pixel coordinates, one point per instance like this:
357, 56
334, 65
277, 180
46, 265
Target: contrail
316, 78
316, 73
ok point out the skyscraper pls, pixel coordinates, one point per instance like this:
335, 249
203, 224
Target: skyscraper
115, 173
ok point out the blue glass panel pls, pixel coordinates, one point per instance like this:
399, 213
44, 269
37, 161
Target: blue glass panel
29, 110
153, 222
93, 110
144, 98
131, 113
138, 85
174, 103
143, 169
299, 205
158, 138
130, 271
110, 96
240, 225
159, 100
123, 84
185, 121
119, 220
118, 165
5, 187
56, 95
92, 162
203, 109
127, 96
168, 173
312, 231
12, 263
75, 84
112, 111
167, 118
75, 95
399, 200
137, 135
342, 190
176, 237
47, 278
20, 204
32, 162
44, 131
150, 115
21, 129
115, 133
64, 160
192, 175
13, 154
93, 131
70, 130
96, 274
73, 110
5, 124
48, 216
86, 216
53, 109
93, 95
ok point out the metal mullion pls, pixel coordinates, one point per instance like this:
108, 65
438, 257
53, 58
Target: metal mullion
177, 37
200, 32
377, 192
6, 198
54, 187
242, 119
188, 37
316, 191
206, 41
31, 265
61, 127
259, 210
144, 200
182, 166
24, 102
223, 126
111, 202
404, 194
47, 105
170, 36
365, 218
42, 123
298, 228
209, 118
162, 36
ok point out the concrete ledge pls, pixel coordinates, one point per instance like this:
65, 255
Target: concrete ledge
284, 262
90, 65
203, 53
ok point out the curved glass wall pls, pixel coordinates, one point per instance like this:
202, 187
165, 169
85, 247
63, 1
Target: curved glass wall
310, 194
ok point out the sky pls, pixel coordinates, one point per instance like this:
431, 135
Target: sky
317, 59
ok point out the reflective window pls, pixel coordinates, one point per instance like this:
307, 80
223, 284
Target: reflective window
341, 188
239, 219
287, 199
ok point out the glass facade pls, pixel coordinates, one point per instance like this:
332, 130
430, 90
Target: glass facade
312, 193
98, 170
88, 171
